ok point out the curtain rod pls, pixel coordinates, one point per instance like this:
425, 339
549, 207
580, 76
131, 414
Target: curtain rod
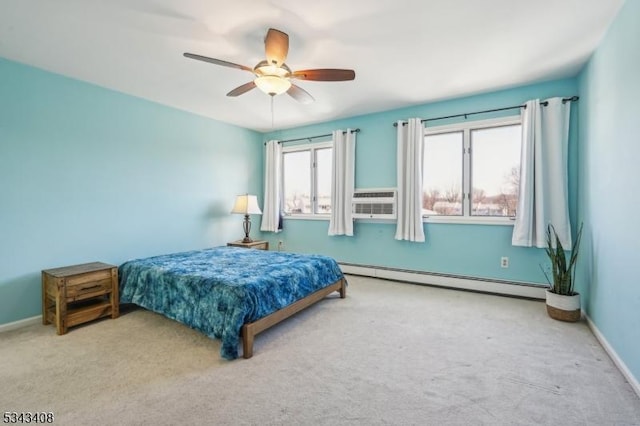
315, 137
545, 103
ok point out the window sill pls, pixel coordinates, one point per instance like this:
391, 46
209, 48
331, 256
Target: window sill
462, 220
454, 220
307, 217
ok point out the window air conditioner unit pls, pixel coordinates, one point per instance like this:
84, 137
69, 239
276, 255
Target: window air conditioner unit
374, 204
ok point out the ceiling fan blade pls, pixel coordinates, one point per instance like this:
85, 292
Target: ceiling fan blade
217, 61
327, 74
242, 89
299, 94
276, 46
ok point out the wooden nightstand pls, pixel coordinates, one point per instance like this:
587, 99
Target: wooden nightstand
76, 294
260, 245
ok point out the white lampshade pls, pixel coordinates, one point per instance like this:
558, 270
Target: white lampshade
246, 204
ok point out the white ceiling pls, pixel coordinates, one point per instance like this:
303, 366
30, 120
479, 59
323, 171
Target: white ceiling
404, 52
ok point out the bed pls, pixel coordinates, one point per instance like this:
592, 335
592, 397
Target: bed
228, 292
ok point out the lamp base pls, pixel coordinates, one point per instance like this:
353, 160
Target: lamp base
246, 225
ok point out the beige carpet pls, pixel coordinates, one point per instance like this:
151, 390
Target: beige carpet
390, 353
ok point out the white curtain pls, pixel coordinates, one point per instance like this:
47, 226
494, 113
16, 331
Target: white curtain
342, 182
271, 208
543, 196
409, 169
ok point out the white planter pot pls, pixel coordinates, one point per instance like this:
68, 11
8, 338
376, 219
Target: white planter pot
563, 308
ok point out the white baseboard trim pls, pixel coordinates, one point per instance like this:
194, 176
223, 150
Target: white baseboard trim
633, 381
20, 324
506, 288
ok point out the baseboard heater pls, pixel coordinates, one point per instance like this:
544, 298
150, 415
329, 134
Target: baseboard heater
483, 285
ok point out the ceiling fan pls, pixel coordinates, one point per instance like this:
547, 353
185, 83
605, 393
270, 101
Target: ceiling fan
273, 76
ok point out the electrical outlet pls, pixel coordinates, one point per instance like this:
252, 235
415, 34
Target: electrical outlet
504, 262
280, 245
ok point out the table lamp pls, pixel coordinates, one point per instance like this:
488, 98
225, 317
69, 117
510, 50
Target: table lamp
246, 204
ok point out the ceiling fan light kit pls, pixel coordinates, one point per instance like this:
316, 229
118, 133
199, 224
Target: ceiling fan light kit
272, 79
272, 84
273, 76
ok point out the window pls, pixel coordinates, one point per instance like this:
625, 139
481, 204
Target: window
442, 174
472, 171
495, 170
306, 179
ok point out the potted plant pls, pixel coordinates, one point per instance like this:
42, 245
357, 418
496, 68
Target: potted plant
563, 303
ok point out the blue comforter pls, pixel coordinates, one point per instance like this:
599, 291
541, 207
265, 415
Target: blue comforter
217, 290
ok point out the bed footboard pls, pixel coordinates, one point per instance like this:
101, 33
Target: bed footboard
249, 331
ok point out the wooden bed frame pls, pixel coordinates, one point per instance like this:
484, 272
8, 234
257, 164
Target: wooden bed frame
250, 330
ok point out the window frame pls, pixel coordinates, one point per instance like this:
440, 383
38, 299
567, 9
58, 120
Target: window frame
313, 147
466, 128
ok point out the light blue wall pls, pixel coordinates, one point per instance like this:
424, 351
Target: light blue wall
88, 174
470, 250
609, 197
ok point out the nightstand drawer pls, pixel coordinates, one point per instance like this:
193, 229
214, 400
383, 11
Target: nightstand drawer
87, 289
88, 277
